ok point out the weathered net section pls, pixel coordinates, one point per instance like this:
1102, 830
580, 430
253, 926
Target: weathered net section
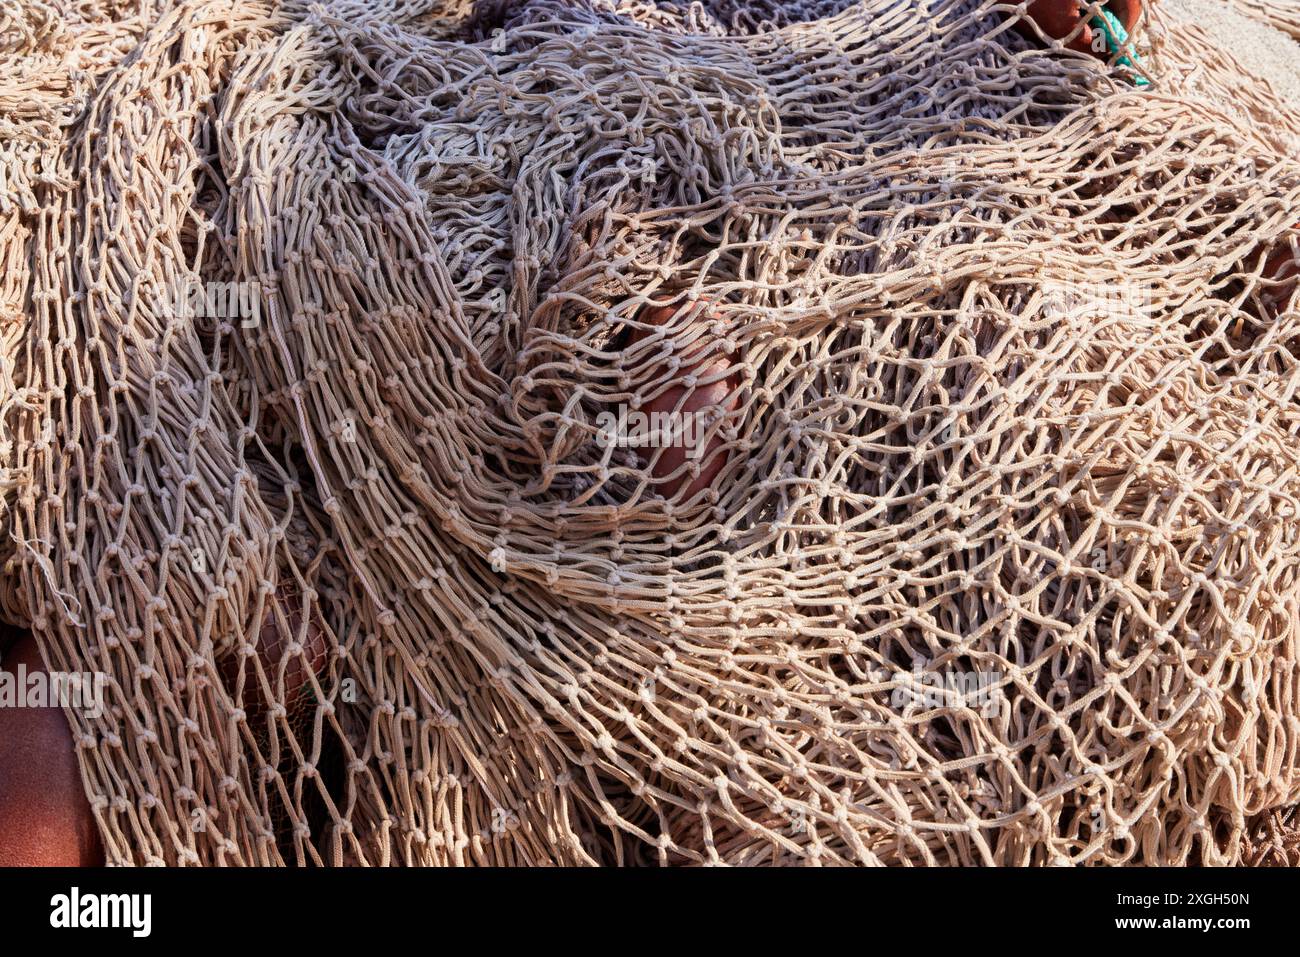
993, 553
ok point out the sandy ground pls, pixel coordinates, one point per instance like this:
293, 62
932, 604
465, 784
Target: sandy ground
1260, 48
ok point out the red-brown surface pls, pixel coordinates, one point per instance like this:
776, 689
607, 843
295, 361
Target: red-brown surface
45, 819
1058, 18
692, 399
272, 646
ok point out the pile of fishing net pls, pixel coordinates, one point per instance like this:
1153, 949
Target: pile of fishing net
996, 556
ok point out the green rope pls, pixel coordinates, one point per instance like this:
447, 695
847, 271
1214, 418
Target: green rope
1116, 37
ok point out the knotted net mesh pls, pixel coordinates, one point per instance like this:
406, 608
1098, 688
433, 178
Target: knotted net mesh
988, 551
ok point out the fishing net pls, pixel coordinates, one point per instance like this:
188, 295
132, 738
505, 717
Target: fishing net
991, 553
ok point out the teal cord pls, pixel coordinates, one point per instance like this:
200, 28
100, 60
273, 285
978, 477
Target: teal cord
1116, 36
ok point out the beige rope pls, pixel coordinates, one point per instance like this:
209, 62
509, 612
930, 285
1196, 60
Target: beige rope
1007, 407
